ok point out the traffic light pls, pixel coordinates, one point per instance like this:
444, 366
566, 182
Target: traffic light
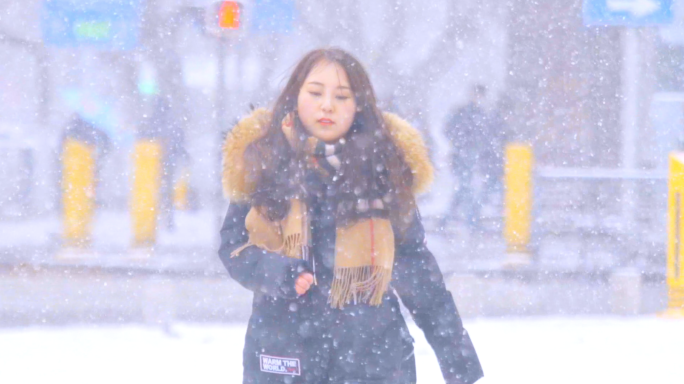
229, 15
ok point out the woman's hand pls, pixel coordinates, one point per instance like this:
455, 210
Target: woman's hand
303, 282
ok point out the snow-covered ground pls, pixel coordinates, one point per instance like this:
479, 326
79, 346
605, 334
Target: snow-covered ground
548, 350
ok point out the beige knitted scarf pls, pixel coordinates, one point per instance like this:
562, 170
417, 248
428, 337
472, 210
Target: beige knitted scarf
364, 249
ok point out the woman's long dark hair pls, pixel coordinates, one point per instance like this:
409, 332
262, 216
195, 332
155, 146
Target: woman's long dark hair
370, 158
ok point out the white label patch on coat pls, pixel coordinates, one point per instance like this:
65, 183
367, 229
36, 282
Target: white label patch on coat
280, 365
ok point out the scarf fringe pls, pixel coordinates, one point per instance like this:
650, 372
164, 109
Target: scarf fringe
292, 247
366, 284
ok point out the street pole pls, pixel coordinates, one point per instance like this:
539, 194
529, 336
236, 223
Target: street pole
220, 124
220, 84
629, 117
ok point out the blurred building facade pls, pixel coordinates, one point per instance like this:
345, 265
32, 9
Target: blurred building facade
557, 81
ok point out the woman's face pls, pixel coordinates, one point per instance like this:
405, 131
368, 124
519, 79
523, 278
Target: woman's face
326, 104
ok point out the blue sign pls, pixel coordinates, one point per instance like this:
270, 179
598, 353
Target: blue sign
273, 16
111, 25
630, 13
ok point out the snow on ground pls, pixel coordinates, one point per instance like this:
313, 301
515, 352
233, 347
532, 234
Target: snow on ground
549, 350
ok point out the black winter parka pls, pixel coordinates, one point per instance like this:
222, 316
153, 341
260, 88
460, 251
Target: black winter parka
293, 339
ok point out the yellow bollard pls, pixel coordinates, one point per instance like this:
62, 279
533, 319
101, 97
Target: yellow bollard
146, 183
78, 193
675, 230
181, 190
518, 202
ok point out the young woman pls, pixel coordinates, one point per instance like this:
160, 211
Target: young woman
323, 228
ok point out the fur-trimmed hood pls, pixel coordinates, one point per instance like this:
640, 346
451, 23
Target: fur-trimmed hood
237, 188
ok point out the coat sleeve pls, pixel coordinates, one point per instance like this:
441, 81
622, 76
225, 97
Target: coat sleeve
258, 270
420, 284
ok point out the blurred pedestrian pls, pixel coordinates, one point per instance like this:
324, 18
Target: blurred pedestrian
324, 229
79, 129
477, 138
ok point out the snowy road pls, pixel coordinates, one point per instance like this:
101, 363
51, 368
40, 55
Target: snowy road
522, 350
